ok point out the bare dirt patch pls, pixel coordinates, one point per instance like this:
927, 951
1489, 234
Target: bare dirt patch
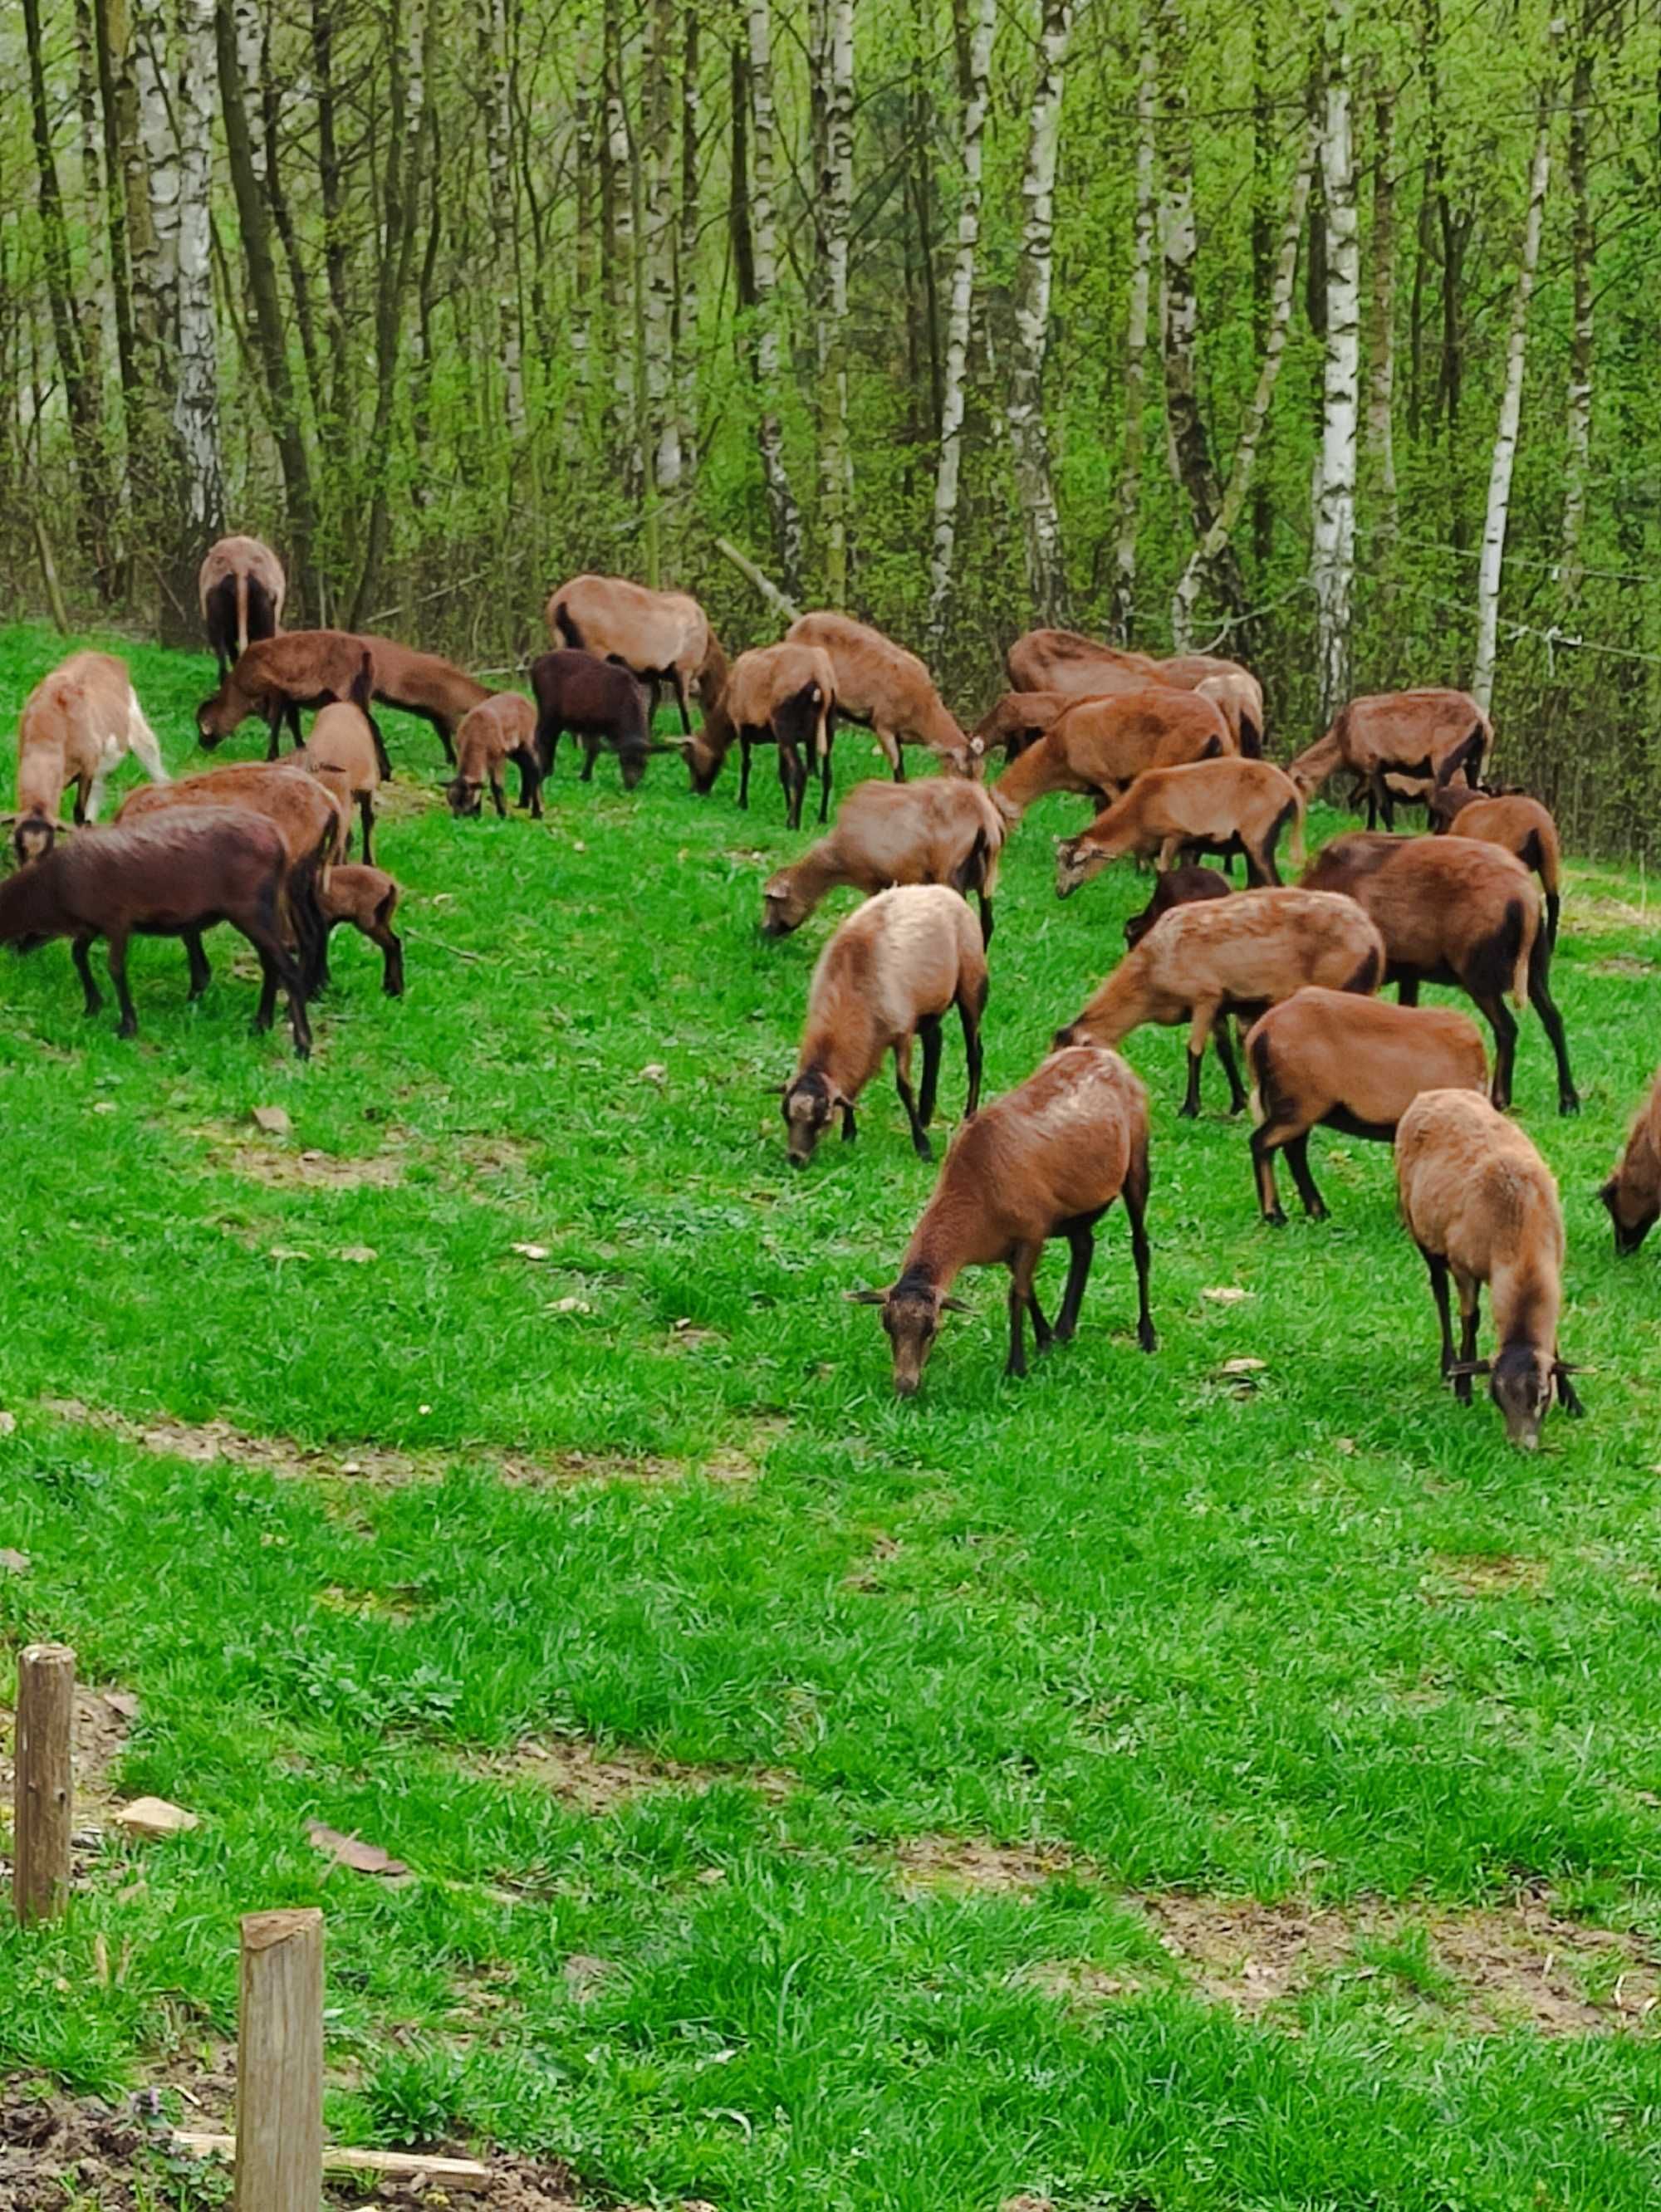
1624, 963
1489, 1574
102, 1722
203, 1442
1076, 1984
928, 1864
310, 1169
1245, 1955
578, 1773
565, 1470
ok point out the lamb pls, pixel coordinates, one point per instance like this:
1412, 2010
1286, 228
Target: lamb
1019, 719
1430, 735
783, 695
1511, 820
1099, 746
1240, 954
341, 754
879, 682
368, 898
1633, 1193
242, 588
1481, 1204
1177, 887
942, 830
888, 975
1045, 1160
596, 700
1352, 1064
305, 668
172, 876
500, 729
1213, 806
1453, 910
77, 725
660, 637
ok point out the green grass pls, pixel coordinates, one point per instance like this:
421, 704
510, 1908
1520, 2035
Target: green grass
1177, 1632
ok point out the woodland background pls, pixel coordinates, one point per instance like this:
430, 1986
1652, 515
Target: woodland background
1251, 322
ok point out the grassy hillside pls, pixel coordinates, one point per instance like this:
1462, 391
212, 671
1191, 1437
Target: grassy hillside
1146, 1784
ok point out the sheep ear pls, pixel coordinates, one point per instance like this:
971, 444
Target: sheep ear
866, 1297
774, 1090
1571, 1367
956, 1305
1464, 1367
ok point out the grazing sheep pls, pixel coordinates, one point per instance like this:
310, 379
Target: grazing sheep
1221, 806
367, 898
172, 877
1453, 910
1019, 719
305, 668
1633, 1193
660, 637
242, 588
1237, 956
881, 683
888, 975
1430, 735
1239, 695
1063, 660
1045, 1160
1177, 887
781, 695
1481, 1204
500, 729
1100, 746
346, 754
942, 830
1352, 1064
598, 701
77, 725
1511, 819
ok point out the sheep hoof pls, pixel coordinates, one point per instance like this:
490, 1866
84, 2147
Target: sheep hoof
1568, 1101
1275, 1220
923, 1149
1145, 1336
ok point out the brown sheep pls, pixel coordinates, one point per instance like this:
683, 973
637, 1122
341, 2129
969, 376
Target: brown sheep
1237, 955
660, 637
1063, 660
1482, 1206
1452, 910
1633, 1193
1511, 820
1019, 719
781, 695
367, 898
1211, 806
306, 668
1352, 1064
1430, 735
174, 876
599, 701
240, 587
1099, 746
1240, 696
1045, 1160
942, 830
888, 975
881, 683
77, 725
500, 729
1178, 887
341, 754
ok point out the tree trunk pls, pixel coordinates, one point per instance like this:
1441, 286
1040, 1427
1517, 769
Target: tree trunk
250, 43
662, 418
120, 158
781, 500
741, 229
1381, 321
495, 91
1210, 549
580, 324
1578, 438
341, 353
1511, 412
1333, 562
835, 198
195, 403
620, 264
1264, 131
686, 258
86, 101
960, 315
1029, 441
1121, 621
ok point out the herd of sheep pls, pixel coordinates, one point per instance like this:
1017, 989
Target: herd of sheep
1169, 751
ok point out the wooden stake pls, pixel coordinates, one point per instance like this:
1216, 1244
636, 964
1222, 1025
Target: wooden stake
279, 2063
367, 2164
45, 1796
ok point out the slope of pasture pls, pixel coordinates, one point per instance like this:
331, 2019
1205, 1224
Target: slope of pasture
1147, 1784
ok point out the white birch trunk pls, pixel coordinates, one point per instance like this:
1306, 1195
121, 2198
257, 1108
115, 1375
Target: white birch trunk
1135, 344
250, 67
836, 476
959, 317
1211, 544
1491, 563
155, 265
1333, 564
196, 397
1034, 487
781, 500
662, 416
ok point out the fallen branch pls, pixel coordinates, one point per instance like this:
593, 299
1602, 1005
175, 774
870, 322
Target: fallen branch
786, 608
386, 2165
60, 613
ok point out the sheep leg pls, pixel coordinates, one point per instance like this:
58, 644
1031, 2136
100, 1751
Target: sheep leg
1297, 1152
498, 797
273, 728
986, 916
1135, 1194
79, 951
930, 1031
391, 978
1169, 854
590, 755
366, 815
115, 953
743, 769
529, 782
1023, 1266
919, 1142
201, 973
1407, 989
1498, 1015
1042, 1335
279, 968
792, 775
679, 683
1199, 1028
825, 785
547, 743
383, 760
89, 799
1080, 1236
1438, 1290
1225, 1042
266, 1011
890, 750
294, 730
1471, 1301
1539, 998
969, 1010
1264, 1144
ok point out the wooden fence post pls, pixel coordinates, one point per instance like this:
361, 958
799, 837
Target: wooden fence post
44, 1800
279, 2063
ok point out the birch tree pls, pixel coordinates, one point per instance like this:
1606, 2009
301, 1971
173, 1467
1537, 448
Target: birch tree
155, 252
579, 323
781, 500
662, 415
1029, 442
1211, 546
960, 314
836, 200
1129, 500
620, 259
1578, 429
196, 395
1333, 562
1491, 561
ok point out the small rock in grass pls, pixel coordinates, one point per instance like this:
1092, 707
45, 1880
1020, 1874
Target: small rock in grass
273, 1119
154, 1818
1226, 1294
531, 1251
654, 1072
352, 1851
361, 1256
8, 1425
570, 1305
123, 1704
1243, 1366
14, 1563
105, 1106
